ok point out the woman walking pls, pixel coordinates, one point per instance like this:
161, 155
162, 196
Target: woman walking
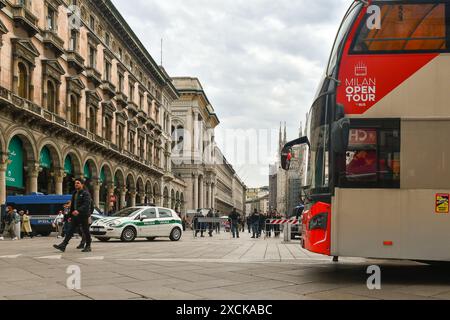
26, 225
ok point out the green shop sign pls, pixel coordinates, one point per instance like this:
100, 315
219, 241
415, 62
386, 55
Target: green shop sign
68, 167
14, 171
87, 172
102, 176
45, 159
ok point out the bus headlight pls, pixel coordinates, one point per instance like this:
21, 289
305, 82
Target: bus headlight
319, 221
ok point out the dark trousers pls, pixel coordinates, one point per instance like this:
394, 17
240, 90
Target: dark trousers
235, 229
76, 224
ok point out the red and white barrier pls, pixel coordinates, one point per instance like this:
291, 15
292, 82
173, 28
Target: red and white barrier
284, 221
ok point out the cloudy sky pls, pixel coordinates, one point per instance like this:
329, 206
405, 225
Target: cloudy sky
259, 62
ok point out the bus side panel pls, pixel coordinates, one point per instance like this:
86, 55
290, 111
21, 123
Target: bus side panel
397, 224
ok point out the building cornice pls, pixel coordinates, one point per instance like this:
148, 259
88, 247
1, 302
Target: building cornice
117, 21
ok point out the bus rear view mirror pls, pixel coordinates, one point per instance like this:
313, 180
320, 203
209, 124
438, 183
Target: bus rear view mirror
286, 153
340, 133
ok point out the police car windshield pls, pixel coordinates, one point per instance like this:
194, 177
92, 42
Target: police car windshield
126, 212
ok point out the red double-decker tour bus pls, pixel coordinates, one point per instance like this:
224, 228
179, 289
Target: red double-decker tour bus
378, 136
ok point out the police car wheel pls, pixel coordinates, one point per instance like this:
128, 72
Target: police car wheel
175, 235
128, 235
151, 238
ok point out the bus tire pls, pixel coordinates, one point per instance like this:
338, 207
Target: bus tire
46, 234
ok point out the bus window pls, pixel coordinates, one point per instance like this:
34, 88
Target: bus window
406, 28
372, 159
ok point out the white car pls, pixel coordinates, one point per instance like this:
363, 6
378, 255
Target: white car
139, 222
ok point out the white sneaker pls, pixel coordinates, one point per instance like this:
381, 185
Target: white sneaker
2, 239
14, 239
58, 237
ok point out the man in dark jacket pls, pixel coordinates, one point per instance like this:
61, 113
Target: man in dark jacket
235, 219
210, 224
80, 211
254, 221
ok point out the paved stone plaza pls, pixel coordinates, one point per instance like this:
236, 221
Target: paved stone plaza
203, 268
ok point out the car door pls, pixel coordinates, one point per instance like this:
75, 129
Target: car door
165, 221
148, 227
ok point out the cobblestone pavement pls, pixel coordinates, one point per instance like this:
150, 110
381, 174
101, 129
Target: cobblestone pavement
218, 268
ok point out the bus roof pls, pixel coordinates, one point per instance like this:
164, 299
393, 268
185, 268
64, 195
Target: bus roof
38, 199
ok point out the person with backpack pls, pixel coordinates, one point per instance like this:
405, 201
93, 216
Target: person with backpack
80, 210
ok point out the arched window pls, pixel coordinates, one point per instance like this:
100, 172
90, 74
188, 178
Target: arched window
73, 109
23, 81
92, 120
51, 97
107, 128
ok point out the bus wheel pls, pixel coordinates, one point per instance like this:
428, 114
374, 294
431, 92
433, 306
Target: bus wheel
45, 234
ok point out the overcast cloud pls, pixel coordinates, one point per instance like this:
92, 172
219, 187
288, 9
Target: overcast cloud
259, 61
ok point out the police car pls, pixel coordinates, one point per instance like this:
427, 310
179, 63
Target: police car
139, 222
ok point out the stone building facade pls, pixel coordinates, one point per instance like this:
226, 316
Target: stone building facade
81, 96
211, 181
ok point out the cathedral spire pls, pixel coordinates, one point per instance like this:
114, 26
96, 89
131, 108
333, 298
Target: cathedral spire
285, 135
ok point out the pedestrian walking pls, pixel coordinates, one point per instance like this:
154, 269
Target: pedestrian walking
58, 223
262, 222
249, 223
210, 224
10, 223
80, 210
235, 218
254, 221
26, 224
217, 224
198, 226
242, 224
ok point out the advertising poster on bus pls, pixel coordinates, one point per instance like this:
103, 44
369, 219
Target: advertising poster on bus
442, 203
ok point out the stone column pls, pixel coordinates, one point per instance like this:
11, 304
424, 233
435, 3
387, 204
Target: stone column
96, 195
3, 166
59, 179
212, 204
201, 192
123, 197
195, 179
133, 198
33, 174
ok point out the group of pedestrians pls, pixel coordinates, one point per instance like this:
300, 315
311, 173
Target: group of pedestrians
201, 227
15, 225
257, 223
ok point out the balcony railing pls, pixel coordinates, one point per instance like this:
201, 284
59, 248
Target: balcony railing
54, 42
75, 61
108, 88
7, 98
23, 17
121, 99
94, 76
132, 107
